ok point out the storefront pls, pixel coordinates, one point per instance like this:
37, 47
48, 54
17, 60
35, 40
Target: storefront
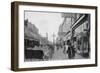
82, 33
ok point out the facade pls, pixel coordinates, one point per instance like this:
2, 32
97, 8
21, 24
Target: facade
76, 25
82, 31
66, 27
32, 36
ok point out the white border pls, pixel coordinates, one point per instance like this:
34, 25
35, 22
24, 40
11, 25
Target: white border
23, 64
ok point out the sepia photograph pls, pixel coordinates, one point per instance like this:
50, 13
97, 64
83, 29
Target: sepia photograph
56, 36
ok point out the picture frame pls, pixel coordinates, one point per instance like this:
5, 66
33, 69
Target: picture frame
65, 23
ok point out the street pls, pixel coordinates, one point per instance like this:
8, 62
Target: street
59, 55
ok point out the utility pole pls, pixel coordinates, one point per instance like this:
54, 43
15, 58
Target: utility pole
46, 35
53, 38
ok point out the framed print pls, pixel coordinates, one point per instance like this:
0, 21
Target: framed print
52, 36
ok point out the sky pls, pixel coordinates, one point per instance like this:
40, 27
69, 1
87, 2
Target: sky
46, 22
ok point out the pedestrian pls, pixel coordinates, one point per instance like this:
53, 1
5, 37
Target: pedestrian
65, 48
74, 46
69, 51
73, 51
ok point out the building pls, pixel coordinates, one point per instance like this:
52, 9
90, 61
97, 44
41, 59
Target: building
32, 36
76, 25
81, 30
65, 28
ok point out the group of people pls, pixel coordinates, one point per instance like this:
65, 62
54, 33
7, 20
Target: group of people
70, 48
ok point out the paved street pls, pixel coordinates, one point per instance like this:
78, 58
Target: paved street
59, 55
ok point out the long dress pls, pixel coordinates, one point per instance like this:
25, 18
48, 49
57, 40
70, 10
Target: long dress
69, 53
